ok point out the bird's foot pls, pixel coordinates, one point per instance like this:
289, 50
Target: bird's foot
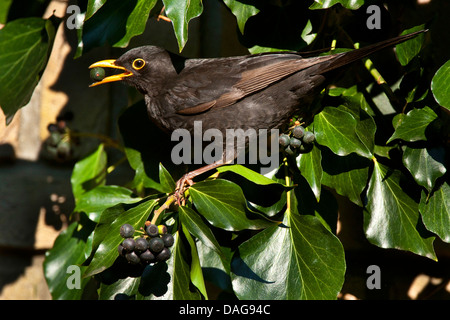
182, 185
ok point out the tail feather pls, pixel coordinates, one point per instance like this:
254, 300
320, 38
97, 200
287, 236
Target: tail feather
352, 56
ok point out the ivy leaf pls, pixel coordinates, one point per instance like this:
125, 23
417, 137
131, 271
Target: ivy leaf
349, 4
247, 174
93, 202
347, 175
107, 252
223, 204
242, 11
25, 47
68, 250
181, 12
440, 85
195, 225
310, 165
407, 50
436, 212
412, 126
114, 22
196, 273
425, 165
391, 217
299, 259
336, 129
89, 172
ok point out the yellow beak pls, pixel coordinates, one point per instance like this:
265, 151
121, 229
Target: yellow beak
110, 64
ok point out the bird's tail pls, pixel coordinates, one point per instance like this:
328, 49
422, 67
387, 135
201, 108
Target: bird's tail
352, 56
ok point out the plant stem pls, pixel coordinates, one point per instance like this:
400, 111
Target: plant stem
165, 206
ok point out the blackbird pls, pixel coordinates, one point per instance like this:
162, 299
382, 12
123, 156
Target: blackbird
260, 91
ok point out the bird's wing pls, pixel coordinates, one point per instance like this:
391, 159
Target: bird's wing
222, 87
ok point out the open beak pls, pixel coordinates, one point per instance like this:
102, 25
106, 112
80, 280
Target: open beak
110, 64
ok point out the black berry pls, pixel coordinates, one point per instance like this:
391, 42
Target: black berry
128, 244
152, 230
126, 231
97, 74
295, 143
163, 255
309, 137
289, 151
141, 245
167, 239
298, 132
121, 250
147, 257
156, 244
284, 140
132, 258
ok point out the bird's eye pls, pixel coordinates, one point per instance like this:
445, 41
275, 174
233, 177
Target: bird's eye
138, 64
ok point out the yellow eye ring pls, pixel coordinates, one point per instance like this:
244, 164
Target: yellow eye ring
138, 64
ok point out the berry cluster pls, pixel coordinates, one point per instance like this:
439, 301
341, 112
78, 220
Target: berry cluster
301, 141
60, 143
149, 247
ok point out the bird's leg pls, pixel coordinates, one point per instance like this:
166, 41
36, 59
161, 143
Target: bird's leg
185, 180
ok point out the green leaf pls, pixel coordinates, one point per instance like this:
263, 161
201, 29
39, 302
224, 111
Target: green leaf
107, 252
89, 173
114, 22
92, 7
440, 85
347, 175
349, 4
68, 250
4, 10
407, 50
242, 11
412, 126
247, 173
336, 129
195, 225
223, 204
93, 202
436, 212
181, 12
25, 47
391, 217
299, 259
311, 169
425, 165
196, 273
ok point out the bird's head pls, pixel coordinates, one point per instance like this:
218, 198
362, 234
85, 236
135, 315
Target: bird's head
141, 67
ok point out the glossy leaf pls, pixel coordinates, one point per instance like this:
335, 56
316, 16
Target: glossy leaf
412, 126
25, 47
195, 225
243, 11
67, 251
425, 165
222, 203
347, 175
114, 22
310, 165
299, 259
407, 50
89, 172
336, 129
349, 4
436, 212
181, 12
440, 85
391, 218
247, 173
